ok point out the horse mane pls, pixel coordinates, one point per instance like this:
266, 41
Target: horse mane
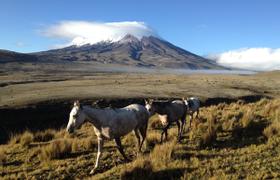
190, 102
161, 104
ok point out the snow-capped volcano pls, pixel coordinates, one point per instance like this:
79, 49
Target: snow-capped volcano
147, 51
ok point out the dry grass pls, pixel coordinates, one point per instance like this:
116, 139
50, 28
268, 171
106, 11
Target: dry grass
3, 155
14, 139
128, 84
209, 137
141, 168
44, 136
56, 150
227, 155
273, 130
26, 138
247, 118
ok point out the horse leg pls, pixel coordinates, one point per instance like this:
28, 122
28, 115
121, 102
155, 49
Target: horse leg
197, 112
100, 146
164, 131
191, 118
136, 132
120, 148
143, 131
183, 121
179, 130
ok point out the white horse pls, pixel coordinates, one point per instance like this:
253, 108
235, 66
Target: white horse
111, 124
193, 105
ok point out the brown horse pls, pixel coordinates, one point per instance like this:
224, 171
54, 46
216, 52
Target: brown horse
169, 112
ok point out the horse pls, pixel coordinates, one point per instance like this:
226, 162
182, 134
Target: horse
193, 105
168, 113
111, 124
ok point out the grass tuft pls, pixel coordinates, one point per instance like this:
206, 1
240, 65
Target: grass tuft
3, 156
273, 130
44, 136
247, 118
210, 135
14, 139
140, 169
26, 138
56, 150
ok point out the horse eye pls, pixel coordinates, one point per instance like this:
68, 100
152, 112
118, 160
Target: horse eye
75, 116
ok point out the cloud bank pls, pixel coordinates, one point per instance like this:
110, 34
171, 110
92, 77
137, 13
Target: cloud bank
260, 59
85, 32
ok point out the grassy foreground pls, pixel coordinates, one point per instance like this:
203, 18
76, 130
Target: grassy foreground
227, 141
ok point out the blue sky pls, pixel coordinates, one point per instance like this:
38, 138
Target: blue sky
200, 26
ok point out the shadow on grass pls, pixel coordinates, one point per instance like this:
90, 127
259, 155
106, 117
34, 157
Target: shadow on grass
146, 173
242, 137
13, 163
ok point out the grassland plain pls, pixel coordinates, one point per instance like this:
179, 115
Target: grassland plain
27, 84
227, 141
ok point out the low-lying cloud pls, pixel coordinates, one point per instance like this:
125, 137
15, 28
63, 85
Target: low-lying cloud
85, 32
260, 59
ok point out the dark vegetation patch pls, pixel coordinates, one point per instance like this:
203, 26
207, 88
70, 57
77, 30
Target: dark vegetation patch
54, 114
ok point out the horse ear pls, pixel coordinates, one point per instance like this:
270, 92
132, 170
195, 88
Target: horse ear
148, 101
77, 103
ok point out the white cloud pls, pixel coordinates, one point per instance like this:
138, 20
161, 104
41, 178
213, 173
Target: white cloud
85, 32
261, 59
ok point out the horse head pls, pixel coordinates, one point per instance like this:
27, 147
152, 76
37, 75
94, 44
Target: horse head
76, 117
149, 106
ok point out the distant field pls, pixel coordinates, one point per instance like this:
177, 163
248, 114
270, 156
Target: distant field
32, 83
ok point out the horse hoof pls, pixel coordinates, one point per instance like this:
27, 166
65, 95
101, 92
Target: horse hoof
92, 172
127, 160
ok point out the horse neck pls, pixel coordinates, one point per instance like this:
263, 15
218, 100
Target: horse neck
93, 115
160, 110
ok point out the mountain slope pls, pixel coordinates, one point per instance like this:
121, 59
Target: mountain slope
146, 52
11, 56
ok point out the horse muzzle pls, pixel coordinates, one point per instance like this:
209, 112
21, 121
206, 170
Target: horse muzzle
70, 130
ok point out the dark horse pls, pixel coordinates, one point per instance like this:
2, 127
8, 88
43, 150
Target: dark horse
169, 112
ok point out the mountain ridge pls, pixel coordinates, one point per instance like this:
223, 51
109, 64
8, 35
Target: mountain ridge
149, 51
